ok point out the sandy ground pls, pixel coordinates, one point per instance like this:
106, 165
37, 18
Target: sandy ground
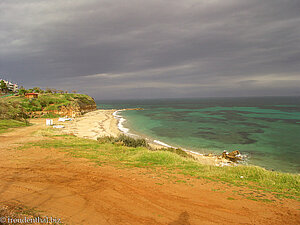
93, 125
79, 192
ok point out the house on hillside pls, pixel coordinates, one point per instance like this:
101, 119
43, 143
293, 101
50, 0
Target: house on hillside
31, 95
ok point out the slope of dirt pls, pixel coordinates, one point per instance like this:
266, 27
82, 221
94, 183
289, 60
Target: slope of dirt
80, 192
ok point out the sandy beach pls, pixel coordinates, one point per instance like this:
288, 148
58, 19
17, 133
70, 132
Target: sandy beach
94, 124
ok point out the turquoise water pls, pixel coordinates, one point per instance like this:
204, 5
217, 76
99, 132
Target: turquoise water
266, 129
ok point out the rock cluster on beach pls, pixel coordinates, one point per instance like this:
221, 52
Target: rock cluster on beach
225, 159
233, 156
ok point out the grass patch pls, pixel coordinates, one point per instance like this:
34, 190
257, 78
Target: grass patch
256, 178
6, 124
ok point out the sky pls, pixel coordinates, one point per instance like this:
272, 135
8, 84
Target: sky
153, 49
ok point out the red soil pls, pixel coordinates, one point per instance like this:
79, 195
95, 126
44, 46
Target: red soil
80, 192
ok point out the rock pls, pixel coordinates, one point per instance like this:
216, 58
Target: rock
233, 156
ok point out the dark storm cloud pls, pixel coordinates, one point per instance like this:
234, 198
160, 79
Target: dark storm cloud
127, 49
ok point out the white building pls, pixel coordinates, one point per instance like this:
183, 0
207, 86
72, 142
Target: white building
11, 86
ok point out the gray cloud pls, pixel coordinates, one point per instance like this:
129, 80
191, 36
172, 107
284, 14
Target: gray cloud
128, 49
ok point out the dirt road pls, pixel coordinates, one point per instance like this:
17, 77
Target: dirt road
80, 192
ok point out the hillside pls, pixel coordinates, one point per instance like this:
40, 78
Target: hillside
19, 108
46, 105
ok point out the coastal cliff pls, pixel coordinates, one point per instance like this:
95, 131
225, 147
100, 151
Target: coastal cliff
47, 105
70, 111
71, 105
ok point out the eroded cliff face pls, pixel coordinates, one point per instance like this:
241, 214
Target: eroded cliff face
71, 111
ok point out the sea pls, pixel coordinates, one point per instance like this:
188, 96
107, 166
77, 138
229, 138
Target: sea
264, 129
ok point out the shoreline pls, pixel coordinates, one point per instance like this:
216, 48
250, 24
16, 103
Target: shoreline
107, 122
209, 159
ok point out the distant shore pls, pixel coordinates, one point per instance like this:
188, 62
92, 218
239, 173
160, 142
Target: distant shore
102, 123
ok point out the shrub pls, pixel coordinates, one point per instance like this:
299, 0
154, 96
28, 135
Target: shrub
131, 142
12, 110
43, 103
177, 151
106, 139
124, 140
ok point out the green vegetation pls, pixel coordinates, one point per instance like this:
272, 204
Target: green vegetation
11, 115
11, 110
6, 124
124, 141
102, 151
50, 115
178, 151
5, 95
49, 102
22, 91
3, 87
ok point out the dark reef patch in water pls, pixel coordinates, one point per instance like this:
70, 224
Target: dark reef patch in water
165, 131
228, 138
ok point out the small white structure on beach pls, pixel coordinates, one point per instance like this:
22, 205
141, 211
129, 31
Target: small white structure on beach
59, 126
49, 122
64, 119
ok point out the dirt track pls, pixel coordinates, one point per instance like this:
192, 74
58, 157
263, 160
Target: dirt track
80, 192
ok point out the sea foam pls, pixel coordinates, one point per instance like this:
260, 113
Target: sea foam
126, 132
121, 126
162, 143
121, 121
